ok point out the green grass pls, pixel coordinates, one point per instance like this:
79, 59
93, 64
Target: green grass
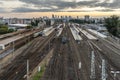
39, 74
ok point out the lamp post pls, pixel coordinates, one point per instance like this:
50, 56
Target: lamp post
13, 49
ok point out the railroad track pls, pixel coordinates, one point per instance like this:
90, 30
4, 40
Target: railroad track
17, 69
55, 69
85, 50
62, 65
99, 55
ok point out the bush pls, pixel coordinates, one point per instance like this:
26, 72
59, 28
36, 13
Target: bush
29, 27
3, 30
112, 24
11, 30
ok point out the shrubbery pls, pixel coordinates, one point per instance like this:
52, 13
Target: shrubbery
4, 29
113, 25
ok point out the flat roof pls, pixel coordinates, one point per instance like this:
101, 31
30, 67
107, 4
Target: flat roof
18, 25
89, 36
97, 33
14, 38
10, 34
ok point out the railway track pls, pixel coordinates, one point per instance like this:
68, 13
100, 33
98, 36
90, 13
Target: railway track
62, 66
82, 57
99, 56
55, 69
35, 53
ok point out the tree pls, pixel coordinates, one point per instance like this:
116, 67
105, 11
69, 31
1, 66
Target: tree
3, 30
29, 27
112, 24
77, 21
10, 30
4, 26
33, 23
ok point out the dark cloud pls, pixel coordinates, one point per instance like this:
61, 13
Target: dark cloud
61, 4
114, 5
22, 9
106, 10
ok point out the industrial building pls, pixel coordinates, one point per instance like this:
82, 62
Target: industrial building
17, 26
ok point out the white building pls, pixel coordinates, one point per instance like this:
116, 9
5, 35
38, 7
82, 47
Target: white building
87, 17
17, 21
41, 24
2, 20
52, 22
17, 26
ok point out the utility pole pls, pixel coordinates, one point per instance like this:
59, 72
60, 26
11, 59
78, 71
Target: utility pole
80, 65
49, 45
92, 76
104, 76
0, 66
27, 69
115, 73
28, 41
13, 49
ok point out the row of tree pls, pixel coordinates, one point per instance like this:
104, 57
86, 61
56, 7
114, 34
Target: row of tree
113, 25
4, 29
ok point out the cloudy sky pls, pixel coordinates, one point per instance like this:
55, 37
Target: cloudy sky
19, 8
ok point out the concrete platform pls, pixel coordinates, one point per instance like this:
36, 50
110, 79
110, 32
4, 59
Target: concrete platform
12, 39
89, 36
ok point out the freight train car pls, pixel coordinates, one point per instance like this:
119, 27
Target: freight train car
64, 39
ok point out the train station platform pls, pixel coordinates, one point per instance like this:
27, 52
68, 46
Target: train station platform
10, 40
12, 34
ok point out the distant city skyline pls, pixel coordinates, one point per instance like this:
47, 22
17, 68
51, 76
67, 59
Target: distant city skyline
49, 14
38, 8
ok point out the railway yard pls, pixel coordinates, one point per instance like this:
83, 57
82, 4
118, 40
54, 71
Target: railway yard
78, 54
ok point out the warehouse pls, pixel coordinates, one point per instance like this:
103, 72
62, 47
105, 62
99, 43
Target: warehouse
17, 26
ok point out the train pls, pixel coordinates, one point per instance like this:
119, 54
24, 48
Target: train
64, 40
38, 34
